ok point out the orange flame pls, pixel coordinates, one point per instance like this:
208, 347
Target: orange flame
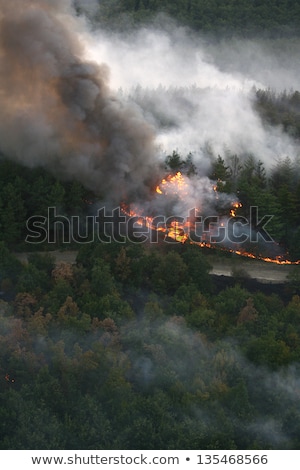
177, 184
235, 206
173, 184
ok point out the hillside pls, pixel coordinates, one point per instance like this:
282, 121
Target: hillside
149, 163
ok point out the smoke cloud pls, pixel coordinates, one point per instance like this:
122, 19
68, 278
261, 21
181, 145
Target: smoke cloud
106, 108
197, 93
167, 351
57, 108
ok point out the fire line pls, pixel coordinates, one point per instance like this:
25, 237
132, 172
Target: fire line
177, 185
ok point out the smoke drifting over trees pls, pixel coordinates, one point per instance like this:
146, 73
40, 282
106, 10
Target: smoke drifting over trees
196, 93
138, 346
104, 109
99, 356
57, 108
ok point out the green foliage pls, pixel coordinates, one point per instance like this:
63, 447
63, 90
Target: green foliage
93, 360
43, 262
274, 193
282, 109
26, 192
233, 17
221, 174
102, 282
169, 272
10, 267
175, 162
33, 280
229, 303
136, 347
198, 268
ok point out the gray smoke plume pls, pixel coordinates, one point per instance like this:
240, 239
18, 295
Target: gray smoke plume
109, 128
196, 92
57, 109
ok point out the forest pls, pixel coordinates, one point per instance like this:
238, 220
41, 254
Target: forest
137, 348
27, 192
279, 18
137, 345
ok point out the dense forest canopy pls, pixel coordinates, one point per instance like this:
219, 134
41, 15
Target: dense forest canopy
137, 345
232, 17
138, 349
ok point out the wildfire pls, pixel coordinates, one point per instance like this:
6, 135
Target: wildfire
235, 206
245, 254
178, 185
173, 184
177, 233
276, 260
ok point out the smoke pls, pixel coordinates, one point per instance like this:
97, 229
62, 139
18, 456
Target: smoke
196, 93
57, 108
106, 108
90, 7
261, 405
278, 390
210, 386
274, 63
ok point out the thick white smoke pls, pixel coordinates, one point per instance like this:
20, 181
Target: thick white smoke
106, 108
196, 93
